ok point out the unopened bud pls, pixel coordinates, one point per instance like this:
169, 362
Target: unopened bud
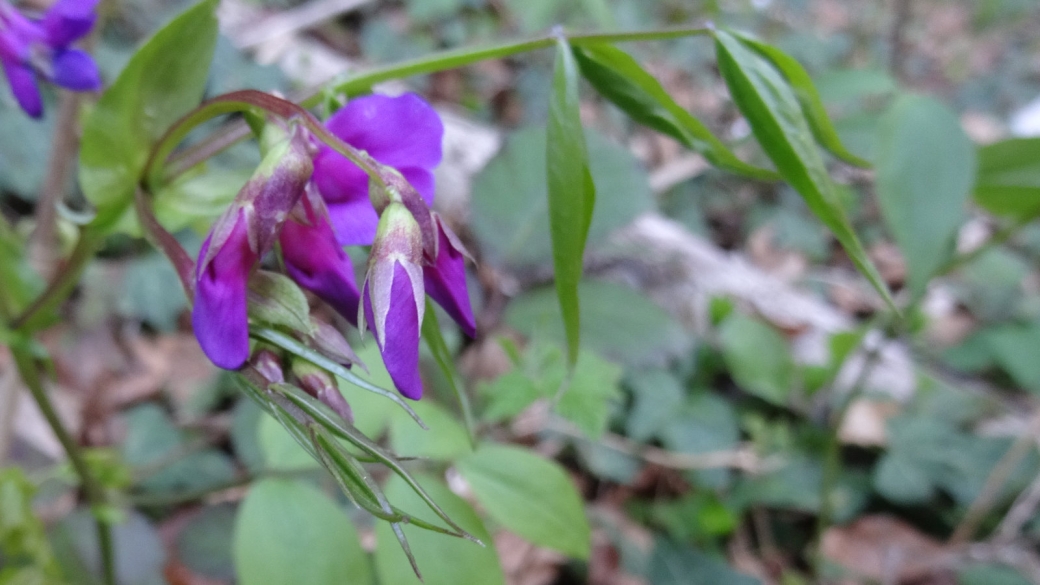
321, 385
269, 365
330, 342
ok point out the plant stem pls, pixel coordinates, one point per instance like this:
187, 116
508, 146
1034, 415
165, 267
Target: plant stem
92, 489
59, 288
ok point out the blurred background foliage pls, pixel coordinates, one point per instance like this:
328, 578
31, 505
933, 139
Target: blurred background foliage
709, 442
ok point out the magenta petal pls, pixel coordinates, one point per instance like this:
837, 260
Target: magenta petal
75, 70
219, 316
68, 20
23, 86
400, 350
445, 282
316, 262
402, 131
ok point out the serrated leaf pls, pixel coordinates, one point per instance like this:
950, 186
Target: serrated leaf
163, 80
589, 396
778, 122
808, 97
619, 78
322, 546
530, 496
925, 171
572, 195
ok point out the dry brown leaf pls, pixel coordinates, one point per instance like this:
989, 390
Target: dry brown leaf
885, 549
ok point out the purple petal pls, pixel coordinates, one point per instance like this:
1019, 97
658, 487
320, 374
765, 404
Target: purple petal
445, 282
402, 131
75, 70
316, 262
219, 317
400, 349
68, 20
23, 86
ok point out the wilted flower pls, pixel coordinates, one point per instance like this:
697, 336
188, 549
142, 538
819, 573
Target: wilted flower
33, 49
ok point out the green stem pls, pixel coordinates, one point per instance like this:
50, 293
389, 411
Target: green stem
449, 59
61, 286
92, 489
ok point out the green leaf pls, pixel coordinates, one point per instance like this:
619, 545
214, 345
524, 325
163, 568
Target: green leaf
372, 411
444, 440
757, 357
616, 322
572, 195
702, 424
1008, 178
280, 450
778, 122
193, 200
901, 480
510, 214
530, 496
289, 532
657, 395
808, 97
674, 564
619, 78
163, 80
443, 560
431, 332
139, 552
205, 544
925, 170
1014, 348
589, 397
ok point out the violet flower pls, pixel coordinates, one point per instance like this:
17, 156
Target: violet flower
402, 132
34, 49
393, 297
315, 260
238, 240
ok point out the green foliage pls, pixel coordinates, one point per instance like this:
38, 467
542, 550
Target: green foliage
1008, 178
778, 122
758, 358
510, 204
162, 82
530, 496
289, 532
26, 553
443, 560
673, 564
925, 170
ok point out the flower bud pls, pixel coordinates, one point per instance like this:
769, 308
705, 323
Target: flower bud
269, 365
320, 384
445, 278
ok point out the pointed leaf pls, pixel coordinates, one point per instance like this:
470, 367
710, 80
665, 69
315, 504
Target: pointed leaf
571, 192
777, 120
925, 171
619, 78
812, 106
163, 80
530, 496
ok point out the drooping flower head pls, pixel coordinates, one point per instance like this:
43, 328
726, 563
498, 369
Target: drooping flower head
238, 240
31, 50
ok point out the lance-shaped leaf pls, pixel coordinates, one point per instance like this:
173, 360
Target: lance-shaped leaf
619, 78
925, 170
776, 118
163, 80
1008, 181
808, 97
572, 194
431, 332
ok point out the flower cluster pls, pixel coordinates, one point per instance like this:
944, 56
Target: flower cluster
312, 200
35, 49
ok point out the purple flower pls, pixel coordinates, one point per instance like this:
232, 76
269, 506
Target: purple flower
315, 260
33, 49
393, 297
401, 132
445, 278
238, 240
